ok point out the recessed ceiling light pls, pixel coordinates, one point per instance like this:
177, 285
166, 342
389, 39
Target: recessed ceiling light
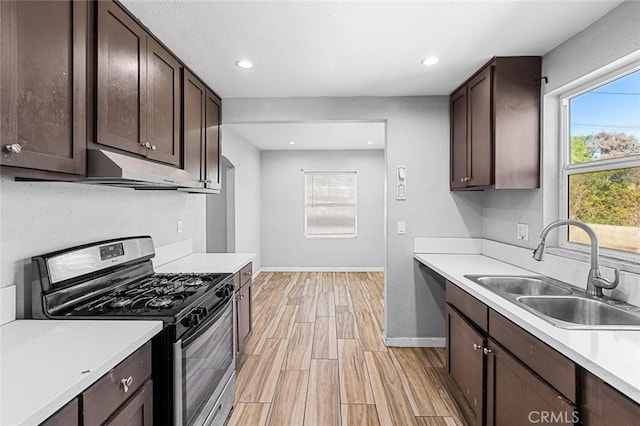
369, 142
292, 143
244, 64
432, 60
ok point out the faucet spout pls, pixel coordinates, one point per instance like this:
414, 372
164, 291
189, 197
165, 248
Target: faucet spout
595, 281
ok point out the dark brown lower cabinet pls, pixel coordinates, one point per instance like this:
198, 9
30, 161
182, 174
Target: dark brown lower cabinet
603, 405
244, 321
69, 415
138, 411
516, 396
466, 362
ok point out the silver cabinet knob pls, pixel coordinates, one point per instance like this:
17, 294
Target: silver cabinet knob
147, 145
153, 147
14, 148
126, 383
476, 347
487, 351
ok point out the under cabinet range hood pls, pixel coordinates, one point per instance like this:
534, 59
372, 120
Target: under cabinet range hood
110, 168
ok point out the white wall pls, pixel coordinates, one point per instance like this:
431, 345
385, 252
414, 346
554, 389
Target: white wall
283, 240
418, 138
610, 38
246, 160
41, 217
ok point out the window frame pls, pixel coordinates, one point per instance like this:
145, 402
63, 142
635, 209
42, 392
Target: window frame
304, 206
567, 169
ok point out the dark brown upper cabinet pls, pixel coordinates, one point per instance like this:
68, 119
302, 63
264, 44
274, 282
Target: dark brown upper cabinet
201, 132
495, 126
138, 89
43, 108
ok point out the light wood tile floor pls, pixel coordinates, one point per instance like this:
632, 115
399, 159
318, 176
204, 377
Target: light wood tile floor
316, 357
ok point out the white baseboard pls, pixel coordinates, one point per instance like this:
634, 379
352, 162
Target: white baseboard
415, 342
322, 268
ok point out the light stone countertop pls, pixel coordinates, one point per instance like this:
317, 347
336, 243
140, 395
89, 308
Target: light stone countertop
215, 263
44, 364
612, 355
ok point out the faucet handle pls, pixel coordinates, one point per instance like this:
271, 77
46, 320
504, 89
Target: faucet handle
604, 283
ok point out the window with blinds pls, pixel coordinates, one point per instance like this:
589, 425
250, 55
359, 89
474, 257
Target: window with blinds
330, 209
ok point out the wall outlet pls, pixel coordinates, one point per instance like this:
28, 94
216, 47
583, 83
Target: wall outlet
402, 228
522, 232
179, 227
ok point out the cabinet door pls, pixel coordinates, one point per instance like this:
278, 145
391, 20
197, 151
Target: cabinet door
603, 405
480, 157
465, 361
194, 94
515, 396
138, 411
458, 114
243, 316
43, 77
212, 173
69, 415
163, 104
121, 80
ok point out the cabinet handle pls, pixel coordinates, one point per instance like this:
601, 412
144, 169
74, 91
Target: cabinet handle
126, 383
487, 351
147, 145
153, 147
14, 148
476, 347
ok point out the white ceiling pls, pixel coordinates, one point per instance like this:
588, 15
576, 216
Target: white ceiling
355, 48
351, 48
314, 135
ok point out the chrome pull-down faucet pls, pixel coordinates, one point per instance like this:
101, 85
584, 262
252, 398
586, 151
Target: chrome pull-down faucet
595, 281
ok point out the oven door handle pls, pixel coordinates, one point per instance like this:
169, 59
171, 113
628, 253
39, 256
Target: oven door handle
204, 326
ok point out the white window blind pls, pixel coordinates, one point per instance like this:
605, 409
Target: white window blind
330, 204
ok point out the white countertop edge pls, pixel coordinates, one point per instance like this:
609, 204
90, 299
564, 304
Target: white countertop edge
227, 263
531, 323
40, 415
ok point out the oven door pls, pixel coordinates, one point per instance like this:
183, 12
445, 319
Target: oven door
203, 363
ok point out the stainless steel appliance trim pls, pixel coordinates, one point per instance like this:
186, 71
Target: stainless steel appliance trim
219, 406
111, 168
177, 383
86, 260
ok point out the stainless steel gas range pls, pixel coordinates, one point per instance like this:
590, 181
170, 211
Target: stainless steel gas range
194, 376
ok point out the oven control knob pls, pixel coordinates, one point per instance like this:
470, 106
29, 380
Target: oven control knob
186, 321
201, 312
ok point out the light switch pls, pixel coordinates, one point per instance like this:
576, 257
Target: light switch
179, 227
402, 229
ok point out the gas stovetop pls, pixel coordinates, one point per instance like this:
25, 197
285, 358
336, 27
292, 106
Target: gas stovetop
163, 295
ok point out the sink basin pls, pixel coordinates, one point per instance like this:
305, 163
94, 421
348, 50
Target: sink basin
519, 285
582, 311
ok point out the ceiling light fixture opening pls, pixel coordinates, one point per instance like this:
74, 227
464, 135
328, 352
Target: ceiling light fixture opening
244, 64
369, 142
432, 60
292, 143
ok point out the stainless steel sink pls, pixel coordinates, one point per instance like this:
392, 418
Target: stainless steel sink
561, 304
581, 310
519, 285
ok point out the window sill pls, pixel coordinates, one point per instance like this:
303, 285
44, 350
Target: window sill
584, 255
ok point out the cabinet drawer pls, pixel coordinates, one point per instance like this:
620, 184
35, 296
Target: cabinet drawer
236, 281
558, 371
66, 416
108, 393
602, 404
245, 274
471, 307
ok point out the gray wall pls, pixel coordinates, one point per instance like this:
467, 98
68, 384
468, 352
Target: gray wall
610, 38
40, 217
246, 161
418, 138
283, 240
